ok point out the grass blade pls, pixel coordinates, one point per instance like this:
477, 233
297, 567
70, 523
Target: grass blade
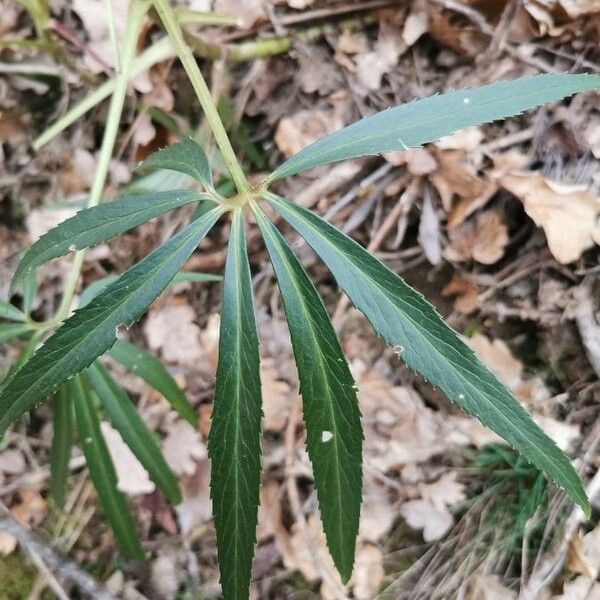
93, 329
133, 430
146, 366
405, 320
234, 440
421, 121
62, 442
98, 224
333, 430
186, 156
102, 472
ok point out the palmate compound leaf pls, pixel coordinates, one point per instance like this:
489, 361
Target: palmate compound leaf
141, 441
98, 224
186, 156
93, 330
146, 366
405, 320
102, 471
234, 440
421, 121
333, 430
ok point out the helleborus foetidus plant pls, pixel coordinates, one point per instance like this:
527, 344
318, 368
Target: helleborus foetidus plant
66, 366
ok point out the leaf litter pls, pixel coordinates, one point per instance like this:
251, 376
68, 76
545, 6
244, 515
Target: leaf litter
504, 233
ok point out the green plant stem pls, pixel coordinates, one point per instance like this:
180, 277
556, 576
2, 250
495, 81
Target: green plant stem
169, 20
186, 16
136, 14
156, 53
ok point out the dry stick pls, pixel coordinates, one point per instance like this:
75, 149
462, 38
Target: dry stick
52, 560
547, 568
553, 561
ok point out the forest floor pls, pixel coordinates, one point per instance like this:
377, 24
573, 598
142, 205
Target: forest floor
498, 226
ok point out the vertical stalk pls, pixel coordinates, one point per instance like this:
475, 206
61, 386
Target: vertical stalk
136, 14
169, 20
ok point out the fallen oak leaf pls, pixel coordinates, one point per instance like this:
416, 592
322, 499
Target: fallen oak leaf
568, 214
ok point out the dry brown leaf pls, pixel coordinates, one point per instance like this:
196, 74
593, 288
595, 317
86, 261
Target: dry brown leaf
352, 42
444, 492
12, 462
583, 557
568, 214
497, 356
580, 8
277, 400
423, 515
79, 174
132, 478
269, 511
305, 127
172, 330
196, 506
466, 293
372, 66
29, 511
182, 448
302, 548
415, 26
456, 176
96, 21
581, 588
368, 572
41, 220
482, 239
377, 513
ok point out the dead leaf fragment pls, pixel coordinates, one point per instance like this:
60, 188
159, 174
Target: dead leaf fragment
583, 557
172, 330
183, 447
305, 127
568, 214
422, 514
482, 239
368, 572
132, 478
497, 356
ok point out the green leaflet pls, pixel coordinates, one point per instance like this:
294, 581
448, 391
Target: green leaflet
98, 224
234, 440
333, 430
8, 331
421, 121
405, 320
92, 290
102, 471
186, 156
62, 441
93, 330
10, 312
143, 364
133, 430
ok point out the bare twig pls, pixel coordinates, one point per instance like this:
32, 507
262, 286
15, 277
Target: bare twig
52, 561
